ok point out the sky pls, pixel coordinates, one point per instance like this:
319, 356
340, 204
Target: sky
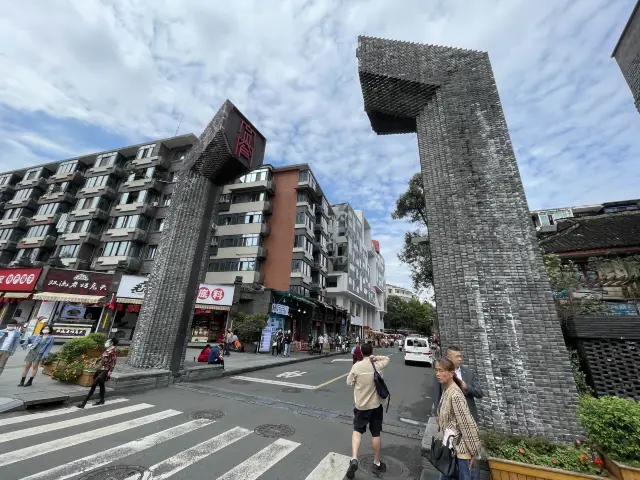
81, 76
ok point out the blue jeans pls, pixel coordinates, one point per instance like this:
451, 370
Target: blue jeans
287, 350
464, 472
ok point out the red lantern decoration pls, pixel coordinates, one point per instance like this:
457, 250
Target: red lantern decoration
120, 307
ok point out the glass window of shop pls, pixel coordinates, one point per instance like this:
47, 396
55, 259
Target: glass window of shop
208, 326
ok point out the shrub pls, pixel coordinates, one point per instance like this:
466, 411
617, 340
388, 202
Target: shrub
98, 339
542, 452
68, 372
249, 327
51, 358
75, 348
613, 425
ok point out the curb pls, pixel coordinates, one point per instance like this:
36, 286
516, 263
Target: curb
240, 371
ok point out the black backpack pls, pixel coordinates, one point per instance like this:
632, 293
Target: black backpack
381, 386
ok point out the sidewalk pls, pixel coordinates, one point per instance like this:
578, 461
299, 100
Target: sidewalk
46, 390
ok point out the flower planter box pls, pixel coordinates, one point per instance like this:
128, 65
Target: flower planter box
48, 369
620, 471
94, 353
86, 379
122, 353
506, 469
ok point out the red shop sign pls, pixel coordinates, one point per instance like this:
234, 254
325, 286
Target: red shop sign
19, 279
77, 282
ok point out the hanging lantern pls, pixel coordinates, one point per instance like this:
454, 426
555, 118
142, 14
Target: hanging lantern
120, 307
136, 308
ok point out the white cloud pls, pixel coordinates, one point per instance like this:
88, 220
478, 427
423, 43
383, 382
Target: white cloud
131, 69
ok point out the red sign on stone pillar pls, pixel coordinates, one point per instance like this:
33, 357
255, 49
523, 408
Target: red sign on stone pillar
245, 142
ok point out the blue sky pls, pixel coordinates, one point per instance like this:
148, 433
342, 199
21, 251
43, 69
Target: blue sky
87, 75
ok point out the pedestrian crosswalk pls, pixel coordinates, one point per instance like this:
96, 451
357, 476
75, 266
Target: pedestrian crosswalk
178, 446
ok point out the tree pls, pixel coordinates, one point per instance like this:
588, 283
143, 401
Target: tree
249, 327
412, 315
416, 252
396, 312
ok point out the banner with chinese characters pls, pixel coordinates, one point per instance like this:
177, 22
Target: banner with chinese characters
280, 309
132, 286
215, 294
70, 330
77, 282
18, 279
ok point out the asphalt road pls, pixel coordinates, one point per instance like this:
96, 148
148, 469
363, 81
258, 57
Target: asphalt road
291, 423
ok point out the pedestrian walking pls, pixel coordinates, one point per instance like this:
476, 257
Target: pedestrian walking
356, 354
368, 409
108, 362
280, 342
274, 345
287, 343
321, 340
9, 341
39, 347
228, 340
456, 424
469, 383
214, 356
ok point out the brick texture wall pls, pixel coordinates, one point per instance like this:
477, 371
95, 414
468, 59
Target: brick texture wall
627, 55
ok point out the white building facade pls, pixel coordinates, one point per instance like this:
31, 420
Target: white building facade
402, 292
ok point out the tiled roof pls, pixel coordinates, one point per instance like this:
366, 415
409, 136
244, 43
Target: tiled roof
614, 230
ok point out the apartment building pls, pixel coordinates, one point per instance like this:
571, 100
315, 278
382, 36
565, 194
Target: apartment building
101, 211
402, 292
273, 231
356, 270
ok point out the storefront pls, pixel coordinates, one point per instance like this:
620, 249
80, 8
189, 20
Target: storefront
16, 294
129, 300
211, 315
74, 300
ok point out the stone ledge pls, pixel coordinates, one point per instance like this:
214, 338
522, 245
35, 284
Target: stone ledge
203, 372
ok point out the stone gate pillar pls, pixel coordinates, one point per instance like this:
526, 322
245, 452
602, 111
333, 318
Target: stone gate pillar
228, 148
494, 298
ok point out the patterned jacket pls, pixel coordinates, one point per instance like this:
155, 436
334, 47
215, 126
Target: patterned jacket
454, 414
108, 360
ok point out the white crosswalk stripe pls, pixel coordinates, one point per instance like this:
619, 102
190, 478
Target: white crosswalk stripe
195, 451
55, 413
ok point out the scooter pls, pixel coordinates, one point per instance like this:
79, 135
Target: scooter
315, 348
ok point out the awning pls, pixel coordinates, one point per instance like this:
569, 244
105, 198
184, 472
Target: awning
17, 294
204, 306
132, 301
68, 297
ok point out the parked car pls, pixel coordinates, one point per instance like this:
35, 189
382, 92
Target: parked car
417, 349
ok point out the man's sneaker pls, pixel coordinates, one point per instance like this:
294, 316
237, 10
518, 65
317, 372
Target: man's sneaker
353, 466
380, 468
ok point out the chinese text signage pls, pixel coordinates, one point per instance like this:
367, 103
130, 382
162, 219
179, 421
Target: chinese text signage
19, 279
76, 282
280, 309
215, 294
132, 286
247, 142
63, 330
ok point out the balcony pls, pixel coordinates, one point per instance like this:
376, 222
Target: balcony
47, 241
6, 188
269, 185
40, 183
142, 184
156, 161
75, 263
229, 277
30, 203
138, 208
43, 219
72, 177
267, 208
80, 237
8, 245
102, 264
125, 234
107, 192
265, 229
224, 206
88, 214
115, 170
56, 197
18, 222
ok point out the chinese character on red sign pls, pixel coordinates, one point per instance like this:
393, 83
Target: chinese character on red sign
203, 293
217, 294
246, 141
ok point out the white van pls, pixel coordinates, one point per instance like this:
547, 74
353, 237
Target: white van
417, 349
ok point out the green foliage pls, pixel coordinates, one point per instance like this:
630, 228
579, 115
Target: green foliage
68, 372
249, 327
544, 453
51, 358
98, 339
75, 348
578, 375
412, 315
613, 424
411, 206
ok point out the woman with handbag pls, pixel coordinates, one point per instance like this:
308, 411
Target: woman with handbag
457, 426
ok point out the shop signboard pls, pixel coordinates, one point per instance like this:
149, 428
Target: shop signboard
71, 330
19, 279
280, 309
215, 294
132, 286
77, 282
73, 310
265, 339
621, 308
275, 322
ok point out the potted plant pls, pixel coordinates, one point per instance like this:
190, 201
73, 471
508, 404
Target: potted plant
68, 372
540, 458
89, 367
49, 364
613, 426
98, 340
249, 328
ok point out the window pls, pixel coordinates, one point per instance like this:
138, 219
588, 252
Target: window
67, 167
130, 221
301, 241
247, 240
12, 213
158, 224
121, 249
303, 198
141, 196
93, 202
33, 254
48, 208
178, 155
39, 231
11, 234
68, 251
23, 194
142, 173
303, 218
300, 266
32, 174
106, 159
240, 218
234, 265
145, 151
151, 252
166, 200
225, 198
299, 290
4, 179
101, 181
255, 176
248, 197
307, 176
332, 282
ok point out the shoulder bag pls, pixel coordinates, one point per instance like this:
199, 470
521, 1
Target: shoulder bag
381, 386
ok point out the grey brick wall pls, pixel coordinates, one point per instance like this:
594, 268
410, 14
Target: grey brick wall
627, 54
492, 292
164, 323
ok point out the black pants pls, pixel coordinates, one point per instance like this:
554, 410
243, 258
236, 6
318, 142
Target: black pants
99, 378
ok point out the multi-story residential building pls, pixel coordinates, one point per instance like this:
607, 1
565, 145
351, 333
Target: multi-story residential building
350, 283
401, 292
627, 53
